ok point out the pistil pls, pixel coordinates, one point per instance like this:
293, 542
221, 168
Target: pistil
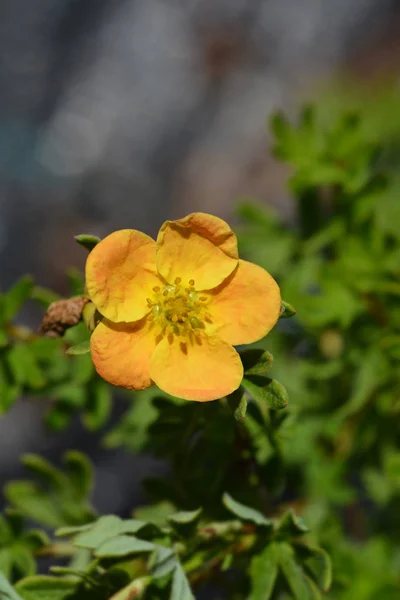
177, 309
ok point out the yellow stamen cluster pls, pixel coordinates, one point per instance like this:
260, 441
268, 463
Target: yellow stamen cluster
177, 309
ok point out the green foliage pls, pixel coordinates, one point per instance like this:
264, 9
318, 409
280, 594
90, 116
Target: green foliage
57, 498
39, 367
46, 588
263, 498
340, 269
245, 513
18, 546
166, 561
82, 348
6, 589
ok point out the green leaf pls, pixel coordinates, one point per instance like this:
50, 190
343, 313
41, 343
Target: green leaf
23, 561
104, 528
371, 372
185, 517
54, 500
319, 564
82, 370
44, 470
227, 561
87, 241
238, 402
24, 366
33, 503
123, 545
95, 534
330, 233
6, 562
72, 395
263, 573
184, 523
72, 530
82, 348
90, 316
2, 308
155, 513
265, 389
287, 310
16, 297
9, 391
378, 486
15, 521
336, 303
180, 586
279, 125
165, 562
291, 525
245, 513
98, 405
43, 296
80, 473
131, 525
299, 584
133, 429
58, 417
3, 338
41, 587
76, 281
17, 547
262, 443
240, 411
391, 461
256, 361
35, 539
6, 531
6, 590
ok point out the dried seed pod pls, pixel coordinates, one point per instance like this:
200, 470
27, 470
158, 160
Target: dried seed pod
62, 315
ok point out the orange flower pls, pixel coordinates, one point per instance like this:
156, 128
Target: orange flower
173, 309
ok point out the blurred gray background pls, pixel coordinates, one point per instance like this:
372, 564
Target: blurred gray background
121, 113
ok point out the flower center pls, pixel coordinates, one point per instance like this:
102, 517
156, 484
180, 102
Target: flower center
178, 309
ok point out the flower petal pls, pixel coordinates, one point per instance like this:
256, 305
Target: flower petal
202, 369
200, 247
121, 353
246, 306
120, 274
